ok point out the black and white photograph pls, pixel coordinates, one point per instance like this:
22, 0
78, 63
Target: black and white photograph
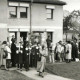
39, 39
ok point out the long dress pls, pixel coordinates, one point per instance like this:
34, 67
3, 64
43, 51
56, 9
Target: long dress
69, 48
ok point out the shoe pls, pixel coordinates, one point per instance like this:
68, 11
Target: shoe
42, 75
20, 69
27, 69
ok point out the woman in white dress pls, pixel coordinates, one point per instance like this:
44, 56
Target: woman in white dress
68, 51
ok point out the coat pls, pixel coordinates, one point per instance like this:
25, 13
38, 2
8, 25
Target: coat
19, 54
8, 50
69, 48
3, 60
26, 63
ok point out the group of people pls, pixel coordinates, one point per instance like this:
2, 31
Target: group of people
26, 54
23, 55
64, 51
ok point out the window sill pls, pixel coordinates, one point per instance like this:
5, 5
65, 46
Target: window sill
50, 19
17, 18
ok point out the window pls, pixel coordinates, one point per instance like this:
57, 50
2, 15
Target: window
49, 13
12, 12
23, 12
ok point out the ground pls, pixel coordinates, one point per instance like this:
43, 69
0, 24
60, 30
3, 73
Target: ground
67, 70
12, 75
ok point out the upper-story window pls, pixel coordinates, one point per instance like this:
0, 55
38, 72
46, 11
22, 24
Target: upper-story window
49, 13
12, 12
18, 10
23, 12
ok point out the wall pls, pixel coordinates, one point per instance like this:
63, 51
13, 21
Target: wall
39, 16
3, 11
3, 34
39, 20
3, 20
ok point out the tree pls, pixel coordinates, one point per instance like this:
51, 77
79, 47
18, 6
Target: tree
72, 21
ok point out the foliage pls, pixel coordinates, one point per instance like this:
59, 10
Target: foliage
67, 22
72, 21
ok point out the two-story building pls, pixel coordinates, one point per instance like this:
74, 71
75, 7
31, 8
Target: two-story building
17, 17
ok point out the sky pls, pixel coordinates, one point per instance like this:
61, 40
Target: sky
72, 5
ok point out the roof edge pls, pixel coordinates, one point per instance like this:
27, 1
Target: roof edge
55, 2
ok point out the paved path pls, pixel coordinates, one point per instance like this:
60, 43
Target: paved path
32, 73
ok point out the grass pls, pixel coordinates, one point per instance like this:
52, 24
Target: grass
12, 75
68, 70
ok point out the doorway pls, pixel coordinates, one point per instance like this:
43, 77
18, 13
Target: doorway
24, 35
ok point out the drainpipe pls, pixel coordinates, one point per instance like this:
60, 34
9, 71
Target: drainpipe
31, 17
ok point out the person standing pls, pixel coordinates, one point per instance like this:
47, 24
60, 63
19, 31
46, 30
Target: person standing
62, 52
68, 51
48, 40
3, 55
19, 56
32, 56
44, 54
76, 45
26, 63
36, 54
58, 51
7, 50
13, 51
51, 53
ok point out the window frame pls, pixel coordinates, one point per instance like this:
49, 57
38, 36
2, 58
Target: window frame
51, 14
25, 12
11, 11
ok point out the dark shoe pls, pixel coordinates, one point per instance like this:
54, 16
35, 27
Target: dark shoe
41, 74
27, 69
20, 69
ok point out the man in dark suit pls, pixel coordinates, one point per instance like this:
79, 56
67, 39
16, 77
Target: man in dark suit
48, 40
13, 51
26, 52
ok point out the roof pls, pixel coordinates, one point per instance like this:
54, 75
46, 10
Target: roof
55, 2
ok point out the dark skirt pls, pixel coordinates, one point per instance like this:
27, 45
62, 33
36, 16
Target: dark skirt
19, 58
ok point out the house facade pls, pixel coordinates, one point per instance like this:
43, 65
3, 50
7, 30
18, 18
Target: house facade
18, 17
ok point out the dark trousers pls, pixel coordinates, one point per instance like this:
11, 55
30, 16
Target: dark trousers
20, 66
8, 63
13, 59
32, 60
26, 63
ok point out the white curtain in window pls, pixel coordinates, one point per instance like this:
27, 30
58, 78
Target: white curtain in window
12, 9
22, 9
